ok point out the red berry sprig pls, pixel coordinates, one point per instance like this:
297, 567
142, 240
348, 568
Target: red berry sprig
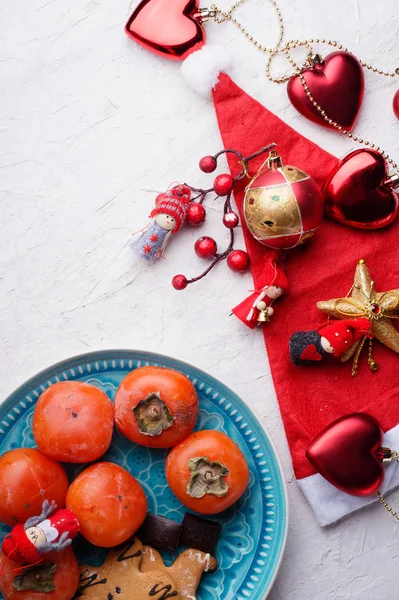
223, 186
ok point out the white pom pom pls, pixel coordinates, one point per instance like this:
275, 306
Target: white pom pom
201, 69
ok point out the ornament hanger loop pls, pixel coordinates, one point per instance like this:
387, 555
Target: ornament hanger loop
204, 14
244, 162
388, 455
315, 59
273, 161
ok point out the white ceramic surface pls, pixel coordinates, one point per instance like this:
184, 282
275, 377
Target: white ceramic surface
92, 127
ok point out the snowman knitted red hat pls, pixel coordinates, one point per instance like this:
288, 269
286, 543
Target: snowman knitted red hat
174, 203
342, 335
18, 547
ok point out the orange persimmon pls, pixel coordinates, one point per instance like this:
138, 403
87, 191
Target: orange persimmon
156, 407
73, 422
207, 472
109, 503
27, 478
65, 578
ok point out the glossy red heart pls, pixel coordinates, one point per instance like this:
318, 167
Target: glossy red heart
310, 353
346, 454
396, 104
358, 193
170, 28
337, 85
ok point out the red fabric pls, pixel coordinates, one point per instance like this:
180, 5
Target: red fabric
310, 397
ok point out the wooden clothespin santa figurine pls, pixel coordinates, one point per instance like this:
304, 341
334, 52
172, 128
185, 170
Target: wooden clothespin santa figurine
334, 338
257, 309
52, 530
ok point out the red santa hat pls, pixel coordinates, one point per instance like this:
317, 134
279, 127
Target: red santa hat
343, 334
174, 203
321, 269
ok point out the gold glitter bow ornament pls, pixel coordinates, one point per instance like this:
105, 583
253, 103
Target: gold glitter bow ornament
363, 301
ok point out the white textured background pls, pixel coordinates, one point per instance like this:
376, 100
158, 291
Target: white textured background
91, 127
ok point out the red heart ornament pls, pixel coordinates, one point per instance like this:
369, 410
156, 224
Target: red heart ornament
310, 353
170, 28
346, 454
336, 84
358, 191
396, 104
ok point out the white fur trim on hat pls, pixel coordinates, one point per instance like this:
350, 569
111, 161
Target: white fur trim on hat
201, 69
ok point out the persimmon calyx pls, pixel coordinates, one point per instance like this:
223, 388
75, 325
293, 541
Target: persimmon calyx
206, 477
153, 416
37, 579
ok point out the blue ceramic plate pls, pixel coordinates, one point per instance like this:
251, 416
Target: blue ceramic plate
253, 530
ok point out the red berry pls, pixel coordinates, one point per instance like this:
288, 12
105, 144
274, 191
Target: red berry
205, 247
230, 220
207, 164
396, 104
223, 184
238, 260
195, 214
179, 282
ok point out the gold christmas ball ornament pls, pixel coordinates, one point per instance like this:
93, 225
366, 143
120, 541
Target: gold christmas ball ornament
283, 205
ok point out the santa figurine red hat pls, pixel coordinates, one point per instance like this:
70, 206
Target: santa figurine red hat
336, 338
257, 308
173, 203
51, 530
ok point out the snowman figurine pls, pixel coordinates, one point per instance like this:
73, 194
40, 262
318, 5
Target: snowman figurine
51, 530
167, 217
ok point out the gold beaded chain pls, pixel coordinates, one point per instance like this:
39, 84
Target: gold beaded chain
220, 16
228, 16
392, 455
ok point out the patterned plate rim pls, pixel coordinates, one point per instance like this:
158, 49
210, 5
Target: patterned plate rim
8, 404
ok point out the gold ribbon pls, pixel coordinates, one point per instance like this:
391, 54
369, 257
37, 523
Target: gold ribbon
364, 312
